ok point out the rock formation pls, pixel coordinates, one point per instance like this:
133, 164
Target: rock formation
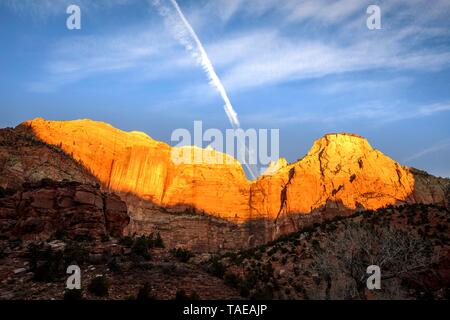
339, 168
25, 158
39, 210
341, 174
132, 162
342, 170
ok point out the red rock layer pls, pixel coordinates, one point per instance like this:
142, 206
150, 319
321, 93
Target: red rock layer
39, 210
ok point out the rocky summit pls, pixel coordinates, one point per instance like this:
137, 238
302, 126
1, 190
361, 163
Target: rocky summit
209, 206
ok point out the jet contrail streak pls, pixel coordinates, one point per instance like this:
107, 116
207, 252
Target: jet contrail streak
199, 52
208, 67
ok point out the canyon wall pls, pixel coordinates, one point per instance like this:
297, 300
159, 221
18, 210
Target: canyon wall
132, 162
210, 205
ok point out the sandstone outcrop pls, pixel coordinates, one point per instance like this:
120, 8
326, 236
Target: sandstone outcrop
39, 210
343, 171
340, 171
132, 162
208, 204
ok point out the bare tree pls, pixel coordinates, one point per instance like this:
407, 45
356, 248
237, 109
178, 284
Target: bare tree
346, 257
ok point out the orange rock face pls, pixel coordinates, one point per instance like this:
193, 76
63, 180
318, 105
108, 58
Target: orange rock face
339, 168
132, 162
341, 171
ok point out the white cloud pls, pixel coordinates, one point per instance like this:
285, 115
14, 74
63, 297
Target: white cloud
265, 58
373, 111
441, 145
72, 59
324, 11
317, 38
46, 8
264, 54
340, 86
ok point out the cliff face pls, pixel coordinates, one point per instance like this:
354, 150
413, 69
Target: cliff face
132, 162
41, 209
341, 172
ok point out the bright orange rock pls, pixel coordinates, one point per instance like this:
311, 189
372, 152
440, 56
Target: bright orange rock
341, 171
340, 168
132, 162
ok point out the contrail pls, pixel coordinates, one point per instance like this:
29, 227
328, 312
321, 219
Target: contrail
201, 55
186, 35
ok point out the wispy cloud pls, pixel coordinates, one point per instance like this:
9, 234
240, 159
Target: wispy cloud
342, 86
272, 58
73, 59
329, 39
45, 8
375, 112
441, 145
324, 11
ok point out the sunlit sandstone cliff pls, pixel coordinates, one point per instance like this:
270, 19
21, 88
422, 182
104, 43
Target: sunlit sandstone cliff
340, 172
132, 162
340, 168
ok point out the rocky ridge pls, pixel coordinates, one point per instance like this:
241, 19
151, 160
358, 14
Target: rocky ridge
213, 206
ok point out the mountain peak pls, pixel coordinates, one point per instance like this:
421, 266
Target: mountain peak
341, 169
342, 148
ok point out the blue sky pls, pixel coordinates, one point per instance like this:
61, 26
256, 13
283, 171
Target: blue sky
305, 67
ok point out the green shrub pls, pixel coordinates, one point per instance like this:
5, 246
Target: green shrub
158, 241
181, 295
126, 241
74, 253
298, 287
47, 265
114, 266
216, 267
99, 286
194, 296
181, 254
316, 245
272, 251
263, 293
144, 293
141, 246
6, 192
232, 279
60, 234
